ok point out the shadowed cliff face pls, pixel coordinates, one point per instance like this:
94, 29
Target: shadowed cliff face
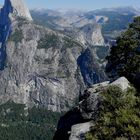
5, 30
90, 69
64, 126
10, 8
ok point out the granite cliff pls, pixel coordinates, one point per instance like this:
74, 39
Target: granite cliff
17, 8
39, 66
10, 10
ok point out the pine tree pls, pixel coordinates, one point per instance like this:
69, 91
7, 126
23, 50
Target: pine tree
118, 116
124, 58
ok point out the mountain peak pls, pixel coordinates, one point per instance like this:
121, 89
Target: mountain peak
18, 8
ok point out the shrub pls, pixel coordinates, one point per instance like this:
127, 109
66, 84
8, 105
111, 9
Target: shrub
48, 41
118, 116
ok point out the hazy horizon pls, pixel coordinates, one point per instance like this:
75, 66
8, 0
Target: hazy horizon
79, 4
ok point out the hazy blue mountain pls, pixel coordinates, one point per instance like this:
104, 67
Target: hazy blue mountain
112, 20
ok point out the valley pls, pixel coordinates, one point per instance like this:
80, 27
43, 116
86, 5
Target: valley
53, 67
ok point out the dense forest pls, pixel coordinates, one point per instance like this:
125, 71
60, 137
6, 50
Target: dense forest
19, 123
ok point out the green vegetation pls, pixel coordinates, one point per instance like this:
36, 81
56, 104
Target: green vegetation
17, 123
54, 41
17, 36
69, 43
119, 111
118, 117
48, 41
124, 59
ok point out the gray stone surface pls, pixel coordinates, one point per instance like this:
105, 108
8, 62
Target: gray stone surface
89, 105
122, 82
78, 131
32, 75
38, 65
18, 8
40, 76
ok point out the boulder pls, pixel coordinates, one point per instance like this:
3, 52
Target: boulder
122, 82
78, 131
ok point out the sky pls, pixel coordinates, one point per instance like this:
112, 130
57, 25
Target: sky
79, 4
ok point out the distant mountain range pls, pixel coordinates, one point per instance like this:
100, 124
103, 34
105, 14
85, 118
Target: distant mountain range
112, 20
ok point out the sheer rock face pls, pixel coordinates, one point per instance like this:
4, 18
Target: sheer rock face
42, 76
38, 66
90, 69
18, 8
32, 74
11, 10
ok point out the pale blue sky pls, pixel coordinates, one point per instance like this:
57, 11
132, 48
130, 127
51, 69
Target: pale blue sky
79, 4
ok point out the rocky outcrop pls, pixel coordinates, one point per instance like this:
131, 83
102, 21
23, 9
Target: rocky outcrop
90, 99
92, 34
88, 35
122, 82
78, 131
70, 125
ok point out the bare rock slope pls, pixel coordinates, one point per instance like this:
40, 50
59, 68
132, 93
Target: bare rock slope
38, 72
